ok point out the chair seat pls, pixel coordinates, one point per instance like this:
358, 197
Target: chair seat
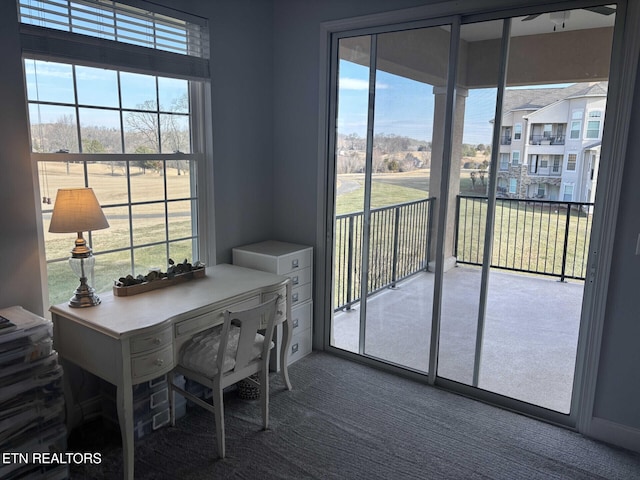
199, 354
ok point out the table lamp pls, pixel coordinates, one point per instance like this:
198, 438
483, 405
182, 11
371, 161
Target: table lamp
78, 210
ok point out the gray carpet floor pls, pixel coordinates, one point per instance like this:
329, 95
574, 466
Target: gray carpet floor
344, 420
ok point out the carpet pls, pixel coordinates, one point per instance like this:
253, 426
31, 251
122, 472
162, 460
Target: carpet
344, 420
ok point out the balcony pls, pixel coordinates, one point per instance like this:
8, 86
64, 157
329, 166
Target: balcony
546, 139
505, 140
532, 321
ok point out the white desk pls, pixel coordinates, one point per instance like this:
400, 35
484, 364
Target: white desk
130, 340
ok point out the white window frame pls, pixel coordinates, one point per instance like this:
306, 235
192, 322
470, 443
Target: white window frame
126, 57
517, 131
593, 117
515, 158
504, 161
576, 124
571, 188
572, 160
513, 185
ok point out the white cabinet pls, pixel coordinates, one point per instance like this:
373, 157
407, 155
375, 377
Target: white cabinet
296, 262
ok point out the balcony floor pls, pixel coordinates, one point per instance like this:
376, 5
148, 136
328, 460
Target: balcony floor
530, 334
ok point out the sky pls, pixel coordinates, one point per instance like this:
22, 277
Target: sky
405, 107
95, 87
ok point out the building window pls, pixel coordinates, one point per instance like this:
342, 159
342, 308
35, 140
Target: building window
593, 125
568, 193
576, 123
556, 167
504, 161
517, 131
513, 185
571, 162
546, 132
542, 190
515, 158
129, 136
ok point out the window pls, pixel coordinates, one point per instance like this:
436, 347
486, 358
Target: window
546, 132
515, 158
576, 122
513, 185
557, 164
517, 131
117, 21
542, 190
568, 193
129, 136
593, 125
504, 161
571, 162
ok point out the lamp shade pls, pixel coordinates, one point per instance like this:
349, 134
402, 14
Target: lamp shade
77, 210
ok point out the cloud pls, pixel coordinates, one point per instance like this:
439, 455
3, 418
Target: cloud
347, 83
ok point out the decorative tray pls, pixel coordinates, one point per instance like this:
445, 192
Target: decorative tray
125, 287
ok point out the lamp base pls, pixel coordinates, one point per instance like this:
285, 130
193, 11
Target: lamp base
85, 296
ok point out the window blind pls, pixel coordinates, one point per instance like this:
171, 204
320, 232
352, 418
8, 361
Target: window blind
115, 21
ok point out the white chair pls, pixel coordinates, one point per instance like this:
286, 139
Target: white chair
226, 354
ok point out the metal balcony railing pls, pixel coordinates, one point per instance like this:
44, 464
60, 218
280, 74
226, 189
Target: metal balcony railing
546, 140
534, 236
399, 245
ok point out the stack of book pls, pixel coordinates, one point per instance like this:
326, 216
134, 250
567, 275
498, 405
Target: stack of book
31, 397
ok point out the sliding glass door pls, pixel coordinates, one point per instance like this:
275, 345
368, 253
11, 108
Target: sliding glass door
389, 89
466, 157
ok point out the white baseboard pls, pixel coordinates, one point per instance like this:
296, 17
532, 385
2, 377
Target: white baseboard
615, 433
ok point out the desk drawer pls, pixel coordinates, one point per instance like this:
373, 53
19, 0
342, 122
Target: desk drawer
149, 341
212, 318
152, 364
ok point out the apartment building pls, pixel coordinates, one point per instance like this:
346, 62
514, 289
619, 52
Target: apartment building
550, 142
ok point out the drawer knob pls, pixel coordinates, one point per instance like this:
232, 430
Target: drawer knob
294, 263
157, 341
295, 280
294, 348
295, 323
294, 297
279, 312
159, 362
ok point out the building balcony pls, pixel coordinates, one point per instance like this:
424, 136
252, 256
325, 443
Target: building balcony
546, 140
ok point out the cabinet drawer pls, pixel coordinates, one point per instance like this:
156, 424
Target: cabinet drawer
149, 341
212, 318
301, 317
152, 364
300, 277
294, 262
300, 294
300, 346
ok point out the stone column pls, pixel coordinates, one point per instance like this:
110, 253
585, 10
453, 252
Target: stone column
437, 150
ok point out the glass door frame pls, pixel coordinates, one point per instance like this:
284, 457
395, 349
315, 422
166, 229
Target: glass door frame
624, 60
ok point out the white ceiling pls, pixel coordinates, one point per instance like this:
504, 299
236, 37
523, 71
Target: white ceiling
577, 20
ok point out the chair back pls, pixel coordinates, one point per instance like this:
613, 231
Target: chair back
250, 321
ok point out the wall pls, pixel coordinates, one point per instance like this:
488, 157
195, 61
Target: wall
19, 245
241, 34
618, 389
